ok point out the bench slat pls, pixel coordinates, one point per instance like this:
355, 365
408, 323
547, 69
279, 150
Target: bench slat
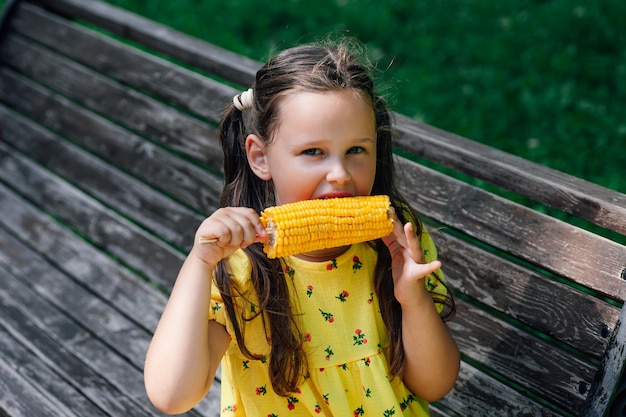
560, 311
608, 380
121, 366
144, 115
186, 182
551, 373
599, 205
566, 250
186, 89
21, 390
478, 394
85, 214
102, 227
48, 363
188, 49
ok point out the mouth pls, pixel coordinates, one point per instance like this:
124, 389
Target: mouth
334, 195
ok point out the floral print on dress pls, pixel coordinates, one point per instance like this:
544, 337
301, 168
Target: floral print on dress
329, 353
332, 265
356, 264
431, 283
290, 271
327, 316
359, 338
343, 296
404, 404
291, 402
390, 412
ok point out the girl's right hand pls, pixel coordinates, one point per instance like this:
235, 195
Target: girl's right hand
232, 228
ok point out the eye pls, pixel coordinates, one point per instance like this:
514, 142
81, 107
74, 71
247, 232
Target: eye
356, 149
312, 152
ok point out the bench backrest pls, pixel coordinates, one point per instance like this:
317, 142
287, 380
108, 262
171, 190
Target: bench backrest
539, 298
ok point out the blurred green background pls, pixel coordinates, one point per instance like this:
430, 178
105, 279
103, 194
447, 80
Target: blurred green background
543, 79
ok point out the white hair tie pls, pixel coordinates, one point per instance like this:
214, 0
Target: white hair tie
244, 100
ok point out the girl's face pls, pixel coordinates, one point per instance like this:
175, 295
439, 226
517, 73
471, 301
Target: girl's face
324, 146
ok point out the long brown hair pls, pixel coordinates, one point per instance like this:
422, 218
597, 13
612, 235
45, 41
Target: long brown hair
306, 68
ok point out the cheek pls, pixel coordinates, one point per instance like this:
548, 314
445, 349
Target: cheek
294, 183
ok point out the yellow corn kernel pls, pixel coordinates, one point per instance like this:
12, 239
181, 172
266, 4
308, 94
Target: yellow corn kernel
310, 225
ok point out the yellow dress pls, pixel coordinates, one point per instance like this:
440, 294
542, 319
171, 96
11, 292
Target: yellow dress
344, 336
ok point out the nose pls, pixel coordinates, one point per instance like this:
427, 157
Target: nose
338, 172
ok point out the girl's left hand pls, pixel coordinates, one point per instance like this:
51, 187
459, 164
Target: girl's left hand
408, 265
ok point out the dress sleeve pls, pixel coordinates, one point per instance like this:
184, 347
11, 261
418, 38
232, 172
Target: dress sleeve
239, 270
216, 304
435, 281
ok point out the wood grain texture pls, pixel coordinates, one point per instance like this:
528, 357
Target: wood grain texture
126, 151
572, 195
153, 210
559, 311
478, 394
196, 94
185, 48
571, 252
113, 335
136, 111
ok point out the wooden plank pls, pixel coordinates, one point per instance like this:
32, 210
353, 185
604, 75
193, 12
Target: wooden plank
104, 227
555, 309
172, 83
86, 357
556, 375
20, 395
558, 247
107, 230
150, 208
611, 372
604, 207
50, 369
18, 398
113, 345
138, 112
185, 48
162, 169
478, 394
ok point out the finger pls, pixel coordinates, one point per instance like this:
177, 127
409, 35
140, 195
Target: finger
429, 268
397, 234
232, 227
414, 244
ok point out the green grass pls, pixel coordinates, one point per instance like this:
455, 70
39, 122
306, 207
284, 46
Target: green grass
543, 79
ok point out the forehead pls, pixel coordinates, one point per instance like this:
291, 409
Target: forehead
328, 114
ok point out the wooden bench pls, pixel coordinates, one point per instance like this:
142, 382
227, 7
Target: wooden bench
109, 160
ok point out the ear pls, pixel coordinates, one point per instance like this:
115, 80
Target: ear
257, 158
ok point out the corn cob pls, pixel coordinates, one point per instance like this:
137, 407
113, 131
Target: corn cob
310, 225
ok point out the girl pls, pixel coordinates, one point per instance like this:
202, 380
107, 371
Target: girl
353, 330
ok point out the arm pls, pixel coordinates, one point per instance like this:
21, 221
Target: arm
432, 357
187, 348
